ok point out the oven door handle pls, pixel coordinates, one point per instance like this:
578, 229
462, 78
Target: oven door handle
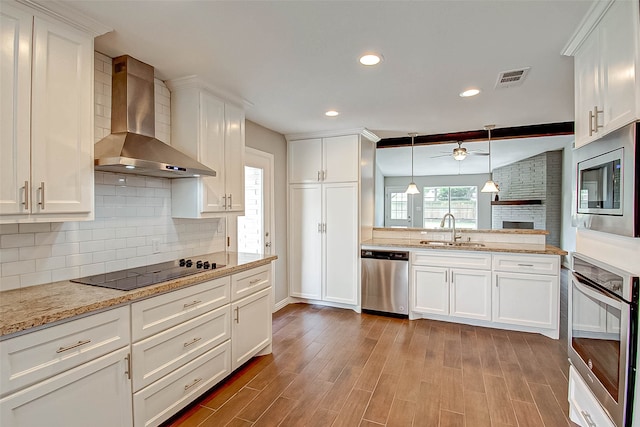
597, 295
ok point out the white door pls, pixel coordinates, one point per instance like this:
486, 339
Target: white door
340, 155
211, 151
398, 207
305, 160
471, 294
15, 98
255, 226
431, 290
526, 299
234, 151
340, 249
305, 240
61, 119
251, 326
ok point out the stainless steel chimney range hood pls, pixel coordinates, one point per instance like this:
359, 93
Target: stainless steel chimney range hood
132, 147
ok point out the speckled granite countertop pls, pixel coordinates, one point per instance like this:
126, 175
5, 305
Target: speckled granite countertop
21, 309
463, 230
521, 248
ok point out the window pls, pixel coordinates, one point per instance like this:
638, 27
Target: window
461, 201
398, 206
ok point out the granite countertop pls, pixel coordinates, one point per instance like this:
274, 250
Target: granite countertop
521, 248
21, 309
464, 230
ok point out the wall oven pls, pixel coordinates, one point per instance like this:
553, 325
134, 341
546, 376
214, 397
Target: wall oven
603, 333
608, 182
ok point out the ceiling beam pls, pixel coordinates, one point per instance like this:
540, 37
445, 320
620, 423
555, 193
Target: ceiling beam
530, 131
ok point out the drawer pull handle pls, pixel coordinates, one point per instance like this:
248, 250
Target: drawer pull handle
128, 360
191, 304
254, 281
237, 319
525, 265
188, 386
193, 341
78, 344
588, 419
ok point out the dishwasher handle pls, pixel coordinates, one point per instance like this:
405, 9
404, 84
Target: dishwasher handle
388, 255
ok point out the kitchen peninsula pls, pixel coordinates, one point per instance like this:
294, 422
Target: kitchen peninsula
506, 279
89, 351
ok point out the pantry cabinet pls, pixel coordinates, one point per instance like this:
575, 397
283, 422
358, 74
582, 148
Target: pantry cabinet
323, 237
330, 212
332, 159
46, 145
213, 132
606, 50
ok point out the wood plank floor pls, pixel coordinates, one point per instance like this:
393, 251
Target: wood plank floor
333, 367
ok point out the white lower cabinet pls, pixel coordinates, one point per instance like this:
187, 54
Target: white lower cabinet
162, 399
509, 291
584, 409
251, 327
452, 291
96, 393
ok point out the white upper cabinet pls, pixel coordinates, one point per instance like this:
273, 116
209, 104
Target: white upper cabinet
47, 120
606, 51
213, 132
334, 159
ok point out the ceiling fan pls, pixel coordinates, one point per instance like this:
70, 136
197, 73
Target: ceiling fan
460, 153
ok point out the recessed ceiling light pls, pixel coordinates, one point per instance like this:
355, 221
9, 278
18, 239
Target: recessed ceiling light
331, 113
470, 92
370, 59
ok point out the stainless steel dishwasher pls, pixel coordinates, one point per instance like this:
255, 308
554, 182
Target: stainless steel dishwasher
385, 281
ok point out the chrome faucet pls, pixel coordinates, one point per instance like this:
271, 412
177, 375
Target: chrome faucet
453, 221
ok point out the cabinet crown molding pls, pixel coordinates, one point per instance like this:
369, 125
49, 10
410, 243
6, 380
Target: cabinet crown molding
330, 133
67, 14
588, 23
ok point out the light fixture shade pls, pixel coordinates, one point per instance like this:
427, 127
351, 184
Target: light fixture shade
490, 187
412, 188
459, 153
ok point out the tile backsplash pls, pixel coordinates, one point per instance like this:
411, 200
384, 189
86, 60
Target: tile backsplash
132, 227
133, 217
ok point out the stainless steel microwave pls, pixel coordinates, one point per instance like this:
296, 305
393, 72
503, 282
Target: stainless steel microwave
607, 179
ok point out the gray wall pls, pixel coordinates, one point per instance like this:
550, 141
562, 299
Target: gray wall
484, 199
266, 140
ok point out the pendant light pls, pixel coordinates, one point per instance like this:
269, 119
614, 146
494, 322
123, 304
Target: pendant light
490, 186
412, 188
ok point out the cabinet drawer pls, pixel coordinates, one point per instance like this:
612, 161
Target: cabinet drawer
452, 258
156, 314
32, 357
541, 264
162, 353
584, 408
248, 282
159, 401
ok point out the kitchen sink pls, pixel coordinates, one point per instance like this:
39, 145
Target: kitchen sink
455, 244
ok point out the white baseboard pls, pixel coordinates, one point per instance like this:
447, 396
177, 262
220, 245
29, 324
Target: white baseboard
282, 304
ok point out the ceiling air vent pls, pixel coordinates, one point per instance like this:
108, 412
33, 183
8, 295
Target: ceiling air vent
512, 77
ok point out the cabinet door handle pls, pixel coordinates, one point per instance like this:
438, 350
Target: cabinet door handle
596, 126
590, 123
188, 386
127, 358
446, 276
525, 265
496, 280
324, 175
324, 227
224, 202
41, 202
588, 419
230, 201
237, 319
78, 344
193, 341
318, 175
26, 196
191, 304
319, 228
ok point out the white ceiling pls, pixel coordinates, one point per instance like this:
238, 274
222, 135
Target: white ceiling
397, 161
293, 60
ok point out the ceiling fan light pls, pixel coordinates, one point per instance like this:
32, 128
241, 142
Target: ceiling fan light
412, 188
490, 187
459, 153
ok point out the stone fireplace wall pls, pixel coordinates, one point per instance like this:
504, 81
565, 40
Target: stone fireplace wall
538, 178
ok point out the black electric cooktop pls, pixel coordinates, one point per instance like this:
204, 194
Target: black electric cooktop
139, 277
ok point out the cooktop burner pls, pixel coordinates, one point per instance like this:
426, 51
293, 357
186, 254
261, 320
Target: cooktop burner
139, 277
